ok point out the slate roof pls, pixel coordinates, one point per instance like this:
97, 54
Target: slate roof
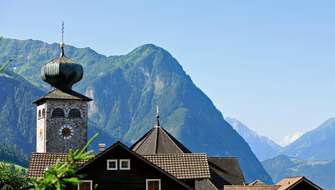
289, 182
182, 166
225, 171
204, 184
39, 162
158, 141
59, 94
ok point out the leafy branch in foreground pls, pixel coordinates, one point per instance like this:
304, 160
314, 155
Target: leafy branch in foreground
63, 173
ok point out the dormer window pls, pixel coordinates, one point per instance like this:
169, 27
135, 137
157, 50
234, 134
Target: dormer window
112, 164
58, 112
124, 164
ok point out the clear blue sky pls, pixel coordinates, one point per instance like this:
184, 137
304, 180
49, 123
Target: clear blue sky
270, 64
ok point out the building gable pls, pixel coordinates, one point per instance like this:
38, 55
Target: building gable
134, 178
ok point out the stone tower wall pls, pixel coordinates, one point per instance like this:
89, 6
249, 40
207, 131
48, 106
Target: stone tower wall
55, 141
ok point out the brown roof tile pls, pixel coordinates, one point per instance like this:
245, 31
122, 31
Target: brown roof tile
289, 182
182, 166
40, 162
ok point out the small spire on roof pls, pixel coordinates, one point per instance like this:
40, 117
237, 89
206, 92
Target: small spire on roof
62, 43
157, 116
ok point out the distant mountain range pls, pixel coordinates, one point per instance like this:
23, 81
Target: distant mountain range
125, 90
320, 172
263, 147
318, 144
312, 155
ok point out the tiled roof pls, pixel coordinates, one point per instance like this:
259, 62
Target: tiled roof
59, 94
250, 187
40, 162
225, 170
157, 141
182, 166
257, 182
285, 184
289, 182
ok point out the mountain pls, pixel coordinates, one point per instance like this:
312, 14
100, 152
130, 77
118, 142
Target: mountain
263, 147
308, 146
17, 113
126, 90
320, 172
18, 118
12, 154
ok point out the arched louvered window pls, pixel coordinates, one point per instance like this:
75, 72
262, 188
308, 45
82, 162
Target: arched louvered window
43, 113
39, 114
74, 113
57, 113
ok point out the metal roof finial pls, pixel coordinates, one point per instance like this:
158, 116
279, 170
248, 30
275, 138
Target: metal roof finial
62, 43
157, 116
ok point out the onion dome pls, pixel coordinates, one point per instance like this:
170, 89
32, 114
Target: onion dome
62, 72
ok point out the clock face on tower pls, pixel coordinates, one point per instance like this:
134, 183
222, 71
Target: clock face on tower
66, 131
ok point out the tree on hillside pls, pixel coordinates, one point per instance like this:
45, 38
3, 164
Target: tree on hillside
3, 67
12, 178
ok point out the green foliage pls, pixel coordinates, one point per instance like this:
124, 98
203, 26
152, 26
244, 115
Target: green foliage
11, 153
63, 174
11, 177
3, 67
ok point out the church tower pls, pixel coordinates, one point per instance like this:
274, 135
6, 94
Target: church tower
62, 112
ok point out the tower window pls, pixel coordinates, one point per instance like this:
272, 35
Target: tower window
74, 113
57, 113
39, 114
43, 113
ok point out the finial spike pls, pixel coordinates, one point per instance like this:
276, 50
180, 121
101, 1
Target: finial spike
157, 116
62, 43
62, 31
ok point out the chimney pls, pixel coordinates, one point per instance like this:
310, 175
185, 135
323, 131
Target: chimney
102, 147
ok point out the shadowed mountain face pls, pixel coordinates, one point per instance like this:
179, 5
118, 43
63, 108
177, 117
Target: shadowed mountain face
317, 144
126, 90
263, 147
320, 172
17, 113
